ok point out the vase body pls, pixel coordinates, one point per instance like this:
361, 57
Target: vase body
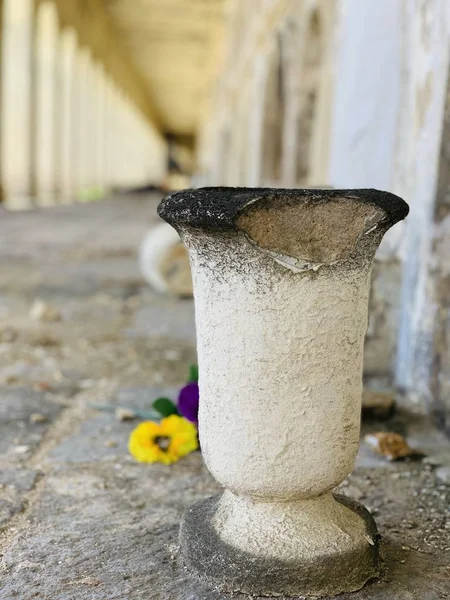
281, 282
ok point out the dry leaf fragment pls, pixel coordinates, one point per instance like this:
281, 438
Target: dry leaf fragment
391, 445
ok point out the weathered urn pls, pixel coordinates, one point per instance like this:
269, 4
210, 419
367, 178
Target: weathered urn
281, 284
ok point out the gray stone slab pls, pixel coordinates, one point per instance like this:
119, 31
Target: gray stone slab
22, 480
143, 397
100, 526
165, 317
14, 483
110, 532
19, 434
106, 533
117, 223
417, 430
99, 438
443, 474
103, 437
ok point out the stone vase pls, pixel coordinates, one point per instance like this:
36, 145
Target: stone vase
281, 285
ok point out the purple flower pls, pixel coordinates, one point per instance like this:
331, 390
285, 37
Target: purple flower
188, 402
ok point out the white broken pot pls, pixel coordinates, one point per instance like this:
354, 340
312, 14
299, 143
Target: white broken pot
164, 262
281, 284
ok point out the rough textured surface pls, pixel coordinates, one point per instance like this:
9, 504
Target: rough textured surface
342, 565
14, 485
80, 519
267, 329
217, 208
322, 233
438, 287
384, 314
19, 435
290, 380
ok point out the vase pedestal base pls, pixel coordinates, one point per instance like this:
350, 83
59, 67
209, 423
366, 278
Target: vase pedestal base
317, 547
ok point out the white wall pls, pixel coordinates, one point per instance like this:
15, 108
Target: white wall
388, 112
420, 128
367, 94
379, 122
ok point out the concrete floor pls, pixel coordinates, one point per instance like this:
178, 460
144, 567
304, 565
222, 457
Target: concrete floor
80, 520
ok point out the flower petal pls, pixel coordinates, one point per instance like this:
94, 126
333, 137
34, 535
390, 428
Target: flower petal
188, 401
142, 442
183, 440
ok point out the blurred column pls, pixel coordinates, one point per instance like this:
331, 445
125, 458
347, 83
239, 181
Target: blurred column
243, 139
121, 157
256, 122
114, 142
112, 136
138, 147
16, 102
307, 109
81, 122
66, 93
231, 165
274, 118
109, 133
128, 178
134, 150
100, 126
89, 191
222, 153
156, 154
45, 140
143, 151
2, 195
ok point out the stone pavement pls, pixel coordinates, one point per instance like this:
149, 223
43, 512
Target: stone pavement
79, 519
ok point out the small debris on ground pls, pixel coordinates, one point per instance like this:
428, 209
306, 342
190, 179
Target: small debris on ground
391, 445
130, 305
125, 414
171, 355
8, 334
44, 339
377, 404
42, 386
21, 449
37, 418
439, 459
91, 581
443, 474
85, 384
43, 311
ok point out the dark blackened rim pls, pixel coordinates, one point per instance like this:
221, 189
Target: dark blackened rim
217, 208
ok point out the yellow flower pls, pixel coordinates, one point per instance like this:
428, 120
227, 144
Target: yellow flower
164, 442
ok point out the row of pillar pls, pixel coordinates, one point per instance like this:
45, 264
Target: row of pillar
272, 117
67, 129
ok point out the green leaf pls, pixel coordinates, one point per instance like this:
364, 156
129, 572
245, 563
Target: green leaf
165, 407
193, 373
